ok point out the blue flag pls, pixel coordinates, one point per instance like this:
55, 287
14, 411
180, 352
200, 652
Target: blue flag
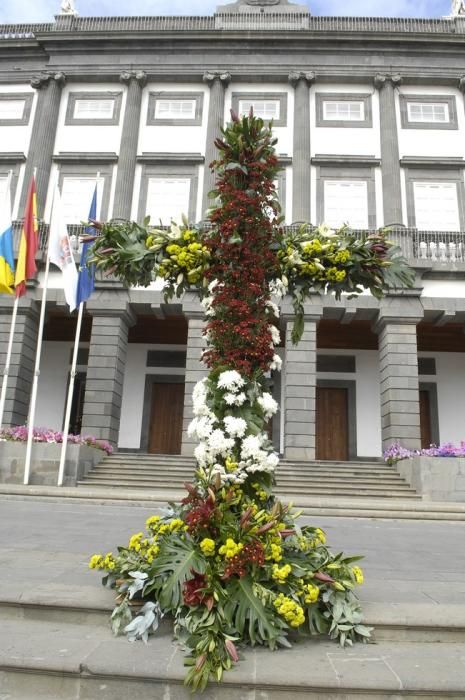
86, 277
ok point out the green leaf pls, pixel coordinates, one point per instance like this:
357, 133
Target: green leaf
249, 616
175, 561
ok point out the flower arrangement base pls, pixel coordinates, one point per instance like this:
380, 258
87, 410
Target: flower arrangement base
435, 478
45, 462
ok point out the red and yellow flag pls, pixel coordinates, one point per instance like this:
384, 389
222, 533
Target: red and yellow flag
28, 244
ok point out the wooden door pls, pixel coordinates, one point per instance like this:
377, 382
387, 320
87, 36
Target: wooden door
425, 419
166, 419
332, 423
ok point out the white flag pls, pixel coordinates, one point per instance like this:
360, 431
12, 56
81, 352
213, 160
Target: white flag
59, 250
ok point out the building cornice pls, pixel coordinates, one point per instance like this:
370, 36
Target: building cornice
167, 158
91, 157
427, 162
323, 159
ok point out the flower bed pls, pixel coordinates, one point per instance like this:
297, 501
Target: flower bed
396, 452
19, 434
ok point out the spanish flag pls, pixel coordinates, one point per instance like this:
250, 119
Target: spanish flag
28, 244
7, 259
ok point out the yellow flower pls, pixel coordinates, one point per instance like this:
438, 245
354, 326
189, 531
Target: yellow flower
176, 524
292, 612
108, 562
208, 547
280, 574
275, 553
230, 548
311, 593
187, 235
134, 542
95, 561
342, 257
358, 574
152, 522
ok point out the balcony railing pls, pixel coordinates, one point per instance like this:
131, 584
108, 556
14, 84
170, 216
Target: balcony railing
419, 247
222, 21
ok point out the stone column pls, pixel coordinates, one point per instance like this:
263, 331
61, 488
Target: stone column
22, 361
398, 364
300, 392
43, 135
390, 166
129, 140
301, 181
195, 371
217, 82
105, 369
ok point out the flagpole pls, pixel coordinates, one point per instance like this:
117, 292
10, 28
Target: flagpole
69, 401
35, 382
10, 338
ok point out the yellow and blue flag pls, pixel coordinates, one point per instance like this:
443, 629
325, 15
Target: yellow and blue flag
7, 258
28, 243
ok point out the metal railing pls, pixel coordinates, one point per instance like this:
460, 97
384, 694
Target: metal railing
222, 21
433, 247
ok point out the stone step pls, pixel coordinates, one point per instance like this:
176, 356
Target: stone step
157, 469
315, 490
42, 659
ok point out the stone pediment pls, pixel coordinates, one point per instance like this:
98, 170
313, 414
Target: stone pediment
262, 6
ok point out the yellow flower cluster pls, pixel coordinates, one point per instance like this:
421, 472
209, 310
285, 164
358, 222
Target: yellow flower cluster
230, 548
280, 573
152, 522
230, 464
143, 546
358, 574
310, 593
342, 256
275, 553
312, 247
208, 547
98, 562
261, 493
335, 275
292, 612
190, 258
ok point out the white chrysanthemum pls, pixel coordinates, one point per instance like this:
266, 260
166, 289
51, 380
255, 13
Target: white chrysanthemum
276, 363
251, 446
274, 308
278, 288
272, 460
235, 427
235, 399
230, 380
212, 285
275, 334
207, 305
201, 427
201, 454
218, 443
268, 404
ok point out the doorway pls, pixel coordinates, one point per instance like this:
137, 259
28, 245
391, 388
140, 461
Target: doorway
166, 415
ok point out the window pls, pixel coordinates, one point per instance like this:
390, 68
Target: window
167, 199
93, 108
3, 186
266, 105
428, 112
346, 201
343, 110
436, 206
265, 109
76, 197
175, 108
15, 108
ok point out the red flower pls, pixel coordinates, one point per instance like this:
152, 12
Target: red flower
193, 589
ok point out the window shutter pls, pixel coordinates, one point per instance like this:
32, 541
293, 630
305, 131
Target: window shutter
346, 201
436, 206
167, 199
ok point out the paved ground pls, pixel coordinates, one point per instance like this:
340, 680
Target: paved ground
44, 543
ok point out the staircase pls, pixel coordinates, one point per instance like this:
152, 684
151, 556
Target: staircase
294, 479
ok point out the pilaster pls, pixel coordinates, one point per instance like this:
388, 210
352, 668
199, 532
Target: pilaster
218, 82
390, 168
398, 364
300, 392
21, 370
105, 370
129, 141
195, 371
301, 180
49, 86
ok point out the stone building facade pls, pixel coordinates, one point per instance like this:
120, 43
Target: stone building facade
369, 117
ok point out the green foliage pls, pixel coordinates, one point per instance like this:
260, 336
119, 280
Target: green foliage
250, 617
177, 558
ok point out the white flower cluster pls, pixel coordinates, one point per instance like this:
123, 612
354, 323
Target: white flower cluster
268, 404
230, 380
254, 458
276, 363
278, 288
275, 335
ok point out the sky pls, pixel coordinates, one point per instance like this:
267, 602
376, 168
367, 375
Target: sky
16, 11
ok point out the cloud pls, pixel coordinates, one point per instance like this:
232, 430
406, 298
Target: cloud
17, 11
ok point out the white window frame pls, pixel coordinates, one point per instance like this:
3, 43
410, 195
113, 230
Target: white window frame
89, 113
168, 212
437, 220
340, 114
76, 212
72, 118
423, 117
157, 118
173, 114
245, 105
21, 117
345, 184
9, 115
